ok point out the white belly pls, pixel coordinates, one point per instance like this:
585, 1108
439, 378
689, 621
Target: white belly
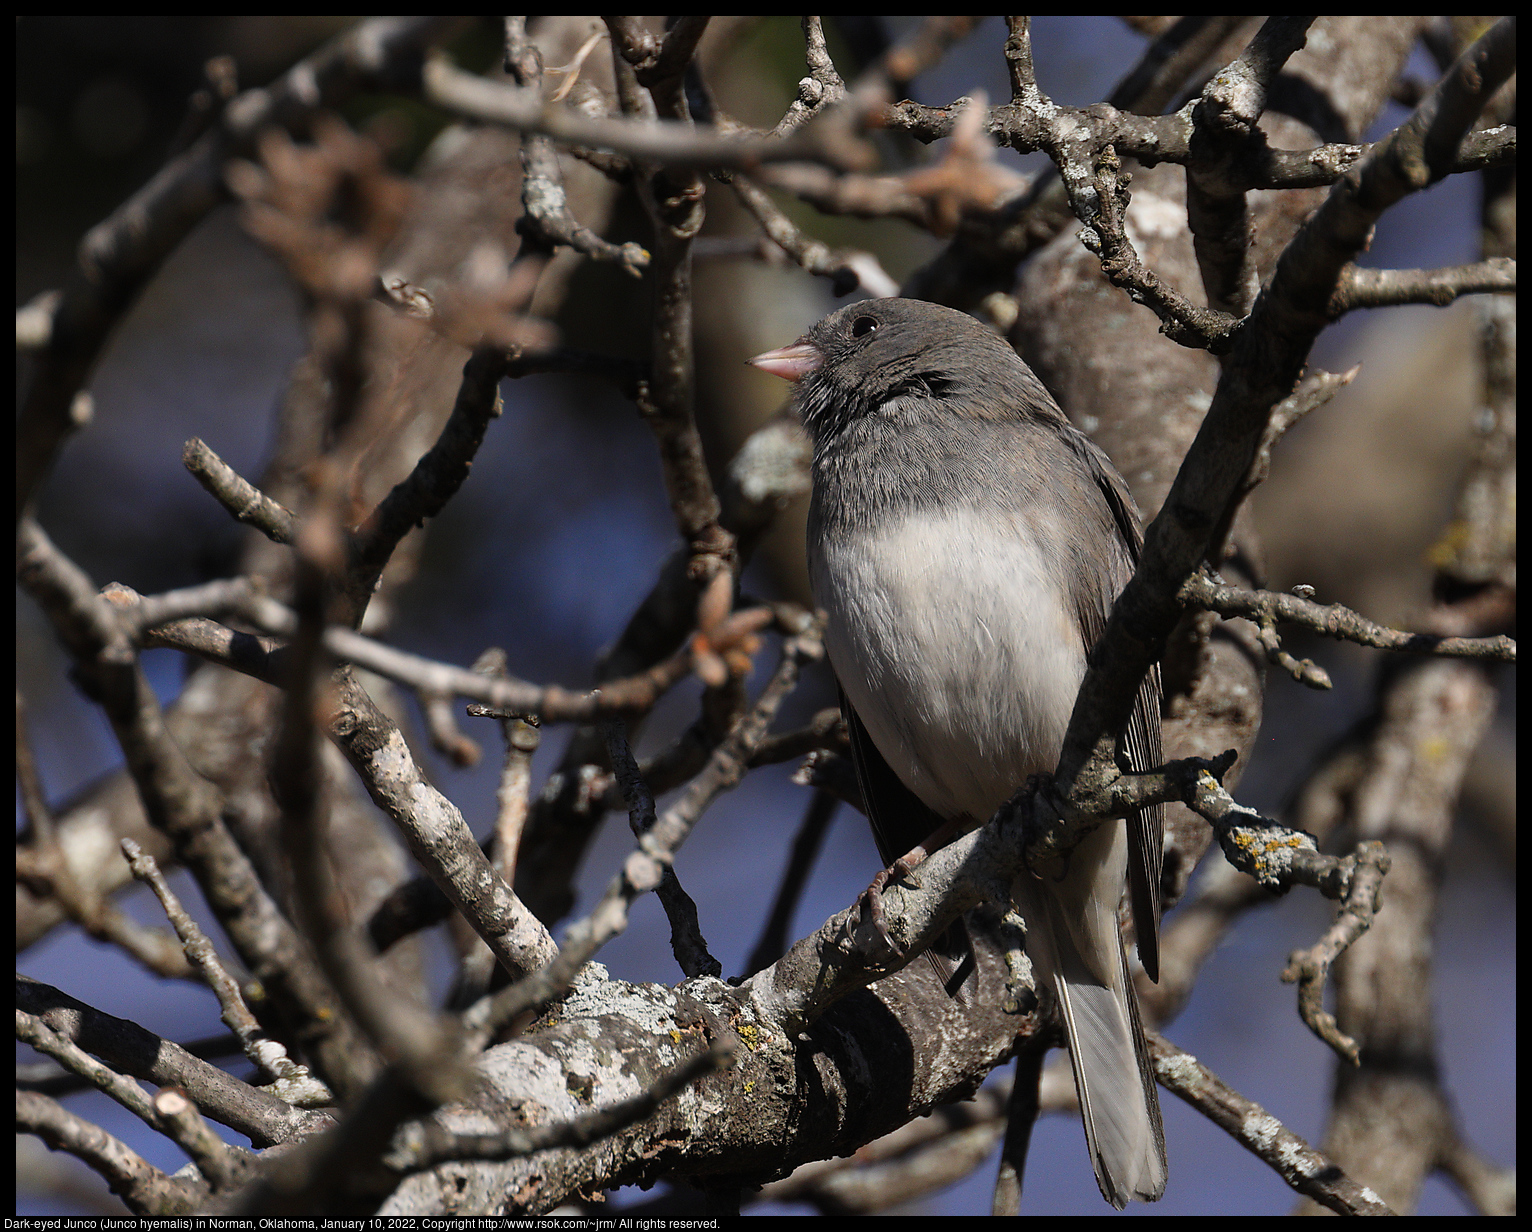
960, 661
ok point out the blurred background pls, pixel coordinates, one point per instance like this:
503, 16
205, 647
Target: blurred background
561, 529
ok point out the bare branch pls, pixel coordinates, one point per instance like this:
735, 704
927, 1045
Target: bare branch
515, 781
44, 865
144, 1188
547, 220
295, 1084
253, 1111
1224, 121
187, 1131
1310, 968
846, 270
1315, 389
1100, 200
244, 500
221, 1166
1333, 620
670, 142
823, 86
673, 199
32, 1030
551, 704
435, 831
438, 474
1300, 1165
1373, 288
686, 939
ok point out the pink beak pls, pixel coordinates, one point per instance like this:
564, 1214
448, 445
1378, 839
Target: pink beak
792, 362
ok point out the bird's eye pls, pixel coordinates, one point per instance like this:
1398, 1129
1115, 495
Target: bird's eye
862, 326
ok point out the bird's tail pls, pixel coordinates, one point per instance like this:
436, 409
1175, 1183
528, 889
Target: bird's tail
1079, 946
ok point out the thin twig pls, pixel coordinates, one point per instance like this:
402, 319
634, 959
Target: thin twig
44, 865
547, 220
253, 1111
189, 1133
1224, 120
1310, 968
143, 1187
846, 270
182, 1122
823, 86
435, 831
1295, 1161
1335, 620
293, 1081
686, 940
244, 500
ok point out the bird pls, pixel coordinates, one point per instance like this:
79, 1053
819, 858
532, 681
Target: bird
966, 543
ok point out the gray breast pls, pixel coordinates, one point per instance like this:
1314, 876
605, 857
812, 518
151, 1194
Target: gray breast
952, 638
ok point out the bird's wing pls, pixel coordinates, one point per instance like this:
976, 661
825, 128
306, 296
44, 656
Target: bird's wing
1141, 739
901, 821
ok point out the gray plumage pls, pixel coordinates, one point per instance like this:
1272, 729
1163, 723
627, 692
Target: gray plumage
967, 543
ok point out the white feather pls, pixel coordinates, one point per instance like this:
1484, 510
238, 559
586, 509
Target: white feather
953, 649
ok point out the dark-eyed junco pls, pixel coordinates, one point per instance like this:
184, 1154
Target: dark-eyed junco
967, 543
